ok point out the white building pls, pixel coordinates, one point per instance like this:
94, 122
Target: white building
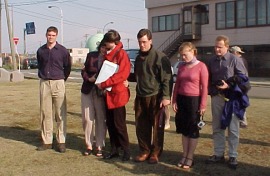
245, 22
78, 55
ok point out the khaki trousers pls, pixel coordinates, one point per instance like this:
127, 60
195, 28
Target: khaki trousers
93, 118
217, 103
53, 106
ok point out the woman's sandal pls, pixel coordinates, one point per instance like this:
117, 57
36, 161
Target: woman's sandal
187, 164
181, 162
88, 152
99, 153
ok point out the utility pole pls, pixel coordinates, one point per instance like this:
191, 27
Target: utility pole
0, 29
11, 42
128, 42
24, 42
86, 35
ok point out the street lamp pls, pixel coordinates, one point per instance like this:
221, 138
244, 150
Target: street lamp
106, 25
62, 23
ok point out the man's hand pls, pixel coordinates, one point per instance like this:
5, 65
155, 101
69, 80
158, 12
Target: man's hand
175, 107
99, 85
125, 83
224, 86
164, 103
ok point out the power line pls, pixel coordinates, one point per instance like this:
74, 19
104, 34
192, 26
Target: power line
105, 11
38, 2
50, 18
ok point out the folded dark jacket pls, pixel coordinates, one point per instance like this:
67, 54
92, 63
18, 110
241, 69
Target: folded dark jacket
238, 100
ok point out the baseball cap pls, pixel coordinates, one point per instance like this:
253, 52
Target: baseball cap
237, 48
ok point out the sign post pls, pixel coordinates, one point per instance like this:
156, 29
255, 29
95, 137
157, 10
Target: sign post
16, 41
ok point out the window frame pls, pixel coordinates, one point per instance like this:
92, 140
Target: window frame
251, 14
162, 24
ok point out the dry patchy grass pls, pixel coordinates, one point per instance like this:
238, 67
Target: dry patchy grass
19, 136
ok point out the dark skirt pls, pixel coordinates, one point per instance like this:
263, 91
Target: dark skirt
187, 117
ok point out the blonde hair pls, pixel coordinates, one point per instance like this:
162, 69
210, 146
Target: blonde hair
188, 45
223, 38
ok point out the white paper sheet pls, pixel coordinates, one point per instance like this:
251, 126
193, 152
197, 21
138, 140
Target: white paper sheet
107, 70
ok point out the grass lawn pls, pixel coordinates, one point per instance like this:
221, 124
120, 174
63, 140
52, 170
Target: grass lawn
20, 135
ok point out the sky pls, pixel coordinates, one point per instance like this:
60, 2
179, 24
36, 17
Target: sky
82, 19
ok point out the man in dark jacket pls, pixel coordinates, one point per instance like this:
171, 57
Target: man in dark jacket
153, 75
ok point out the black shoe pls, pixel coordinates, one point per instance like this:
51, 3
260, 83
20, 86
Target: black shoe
44, 147
215, 159
87, 152
61, 147
111, 155
232, 163
126, 156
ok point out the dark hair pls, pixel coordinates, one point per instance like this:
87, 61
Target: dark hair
144, 32
101, 44
112, 36
52, 28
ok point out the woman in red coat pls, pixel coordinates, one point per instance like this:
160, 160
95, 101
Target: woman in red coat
118, 97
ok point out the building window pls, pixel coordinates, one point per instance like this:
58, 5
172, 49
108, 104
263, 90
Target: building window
268, 11
165, 23
155, 24
242, 13
251, 15
162, 23
230, 15
261, 12
220, 10
205, 14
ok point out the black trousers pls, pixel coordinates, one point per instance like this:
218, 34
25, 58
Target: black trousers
117, 128
149, 125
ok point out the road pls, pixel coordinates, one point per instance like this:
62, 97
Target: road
257, 90
75, 76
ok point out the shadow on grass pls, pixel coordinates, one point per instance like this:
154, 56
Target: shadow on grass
32, 137
75, 114
168, 166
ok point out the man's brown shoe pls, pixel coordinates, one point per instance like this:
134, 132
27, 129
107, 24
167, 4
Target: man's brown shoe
141, 157
61, 148
44, 147
153, 159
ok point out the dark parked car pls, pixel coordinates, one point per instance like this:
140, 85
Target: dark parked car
132, 54
175, 70
29, 63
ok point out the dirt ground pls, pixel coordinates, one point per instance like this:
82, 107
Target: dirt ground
20, 135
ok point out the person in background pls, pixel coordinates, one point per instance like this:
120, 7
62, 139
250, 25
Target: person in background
221, 67
153, 74
118, 97
93, 102
54, 66
189, 100
237, 51
167, 108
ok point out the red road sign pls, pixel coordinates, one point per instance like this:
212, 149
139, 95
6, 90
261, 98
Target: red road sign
16, 40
